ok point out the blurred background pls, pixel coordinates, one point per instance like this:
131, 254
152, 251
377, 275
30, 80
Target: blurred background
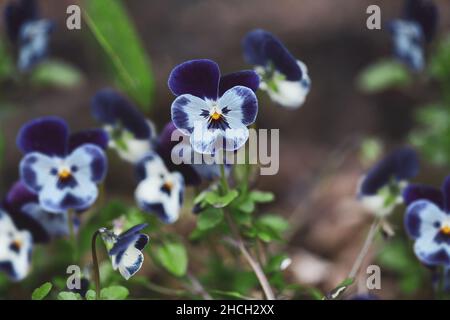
326, 146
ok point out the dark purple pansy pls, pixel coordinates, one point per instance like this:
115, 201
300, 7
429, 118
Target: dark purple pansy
427, 222
23, 206
262, 48
61, 169
401, 165
213, 110
126, 249
425, 13
283, 77
17, 13
130, 132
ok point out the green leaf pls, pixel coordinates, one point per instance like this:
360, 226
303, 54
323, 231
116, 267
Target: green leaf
90, 295
173, 257
383, 75
114, 293
41, 292
6, 61
274, 222
247, 205
113, 29
57, 74
219, 201
261, 196
66, 295
209, 218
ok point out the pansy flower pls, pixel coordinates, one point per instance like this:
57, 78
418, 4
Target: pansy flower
381, 189
427, 222
125, 250
26, 212
159, 191
213, 110
62, 169
15, 248
283, 77
130, 133
411, 32
179, 156
27, 32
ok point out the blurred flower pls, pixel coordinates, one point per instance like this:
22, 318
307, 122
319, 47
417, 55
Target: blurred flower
381, 189
427, 221
28, 32
283, 77
125, 249
411, 32
15, 248
130, 133
213, 110
24, 209
181, 149
62, 170
159, 191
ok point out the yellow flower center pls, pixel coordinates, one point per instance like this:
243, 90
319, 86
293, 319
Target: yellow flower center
215, 115
446, 229
17, 243
64, 174
168, 185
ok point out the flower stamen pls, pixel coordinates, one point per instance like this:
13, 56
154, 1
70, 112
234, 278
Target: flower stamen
446, 229
64, 174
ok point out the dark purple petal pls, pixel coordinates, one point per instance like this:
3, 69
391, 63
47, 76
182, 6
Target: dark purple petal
421, 192
197, 77
19, 195
17, 13
413, 218
97, 137
424, 12
446, 193
262, 48
164, 148
402, 164
245, 78
134, 230
48, 135
99, 163
111, 108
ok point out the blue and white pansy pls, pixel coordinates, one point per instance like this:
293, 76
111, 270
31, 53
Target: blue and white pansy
411, 32
159, 191
213, 110
125, 250
15, 248
283, 77
130, 133
177, 153
380, 191
427, 222
62, 170
26, 212
27, 32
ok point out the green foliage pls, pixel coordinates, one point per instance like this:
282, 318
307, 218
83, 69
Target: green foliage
268, 228
66, 295
440, 62
173, 257
113, 29
209, 218
433, 136
56, 74
41, 292
114, 293
219, 201
6, 61
371, 150
383, 75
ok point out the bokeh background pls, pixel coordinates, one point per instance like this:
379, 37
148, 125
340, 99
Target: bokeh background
320, 153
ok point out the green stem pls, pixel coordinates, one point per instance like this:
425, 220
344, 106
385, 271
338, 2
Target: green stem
95, 265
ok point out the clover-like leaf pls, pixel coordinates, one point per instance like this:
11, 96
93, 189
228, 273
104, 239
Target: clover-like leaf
114, 293
41, 292
209, 218
173, 257
67, 295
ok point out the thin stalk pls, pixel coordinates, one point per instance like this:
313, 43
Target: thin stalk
256, 267
95, 265
365, 248
72, 235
